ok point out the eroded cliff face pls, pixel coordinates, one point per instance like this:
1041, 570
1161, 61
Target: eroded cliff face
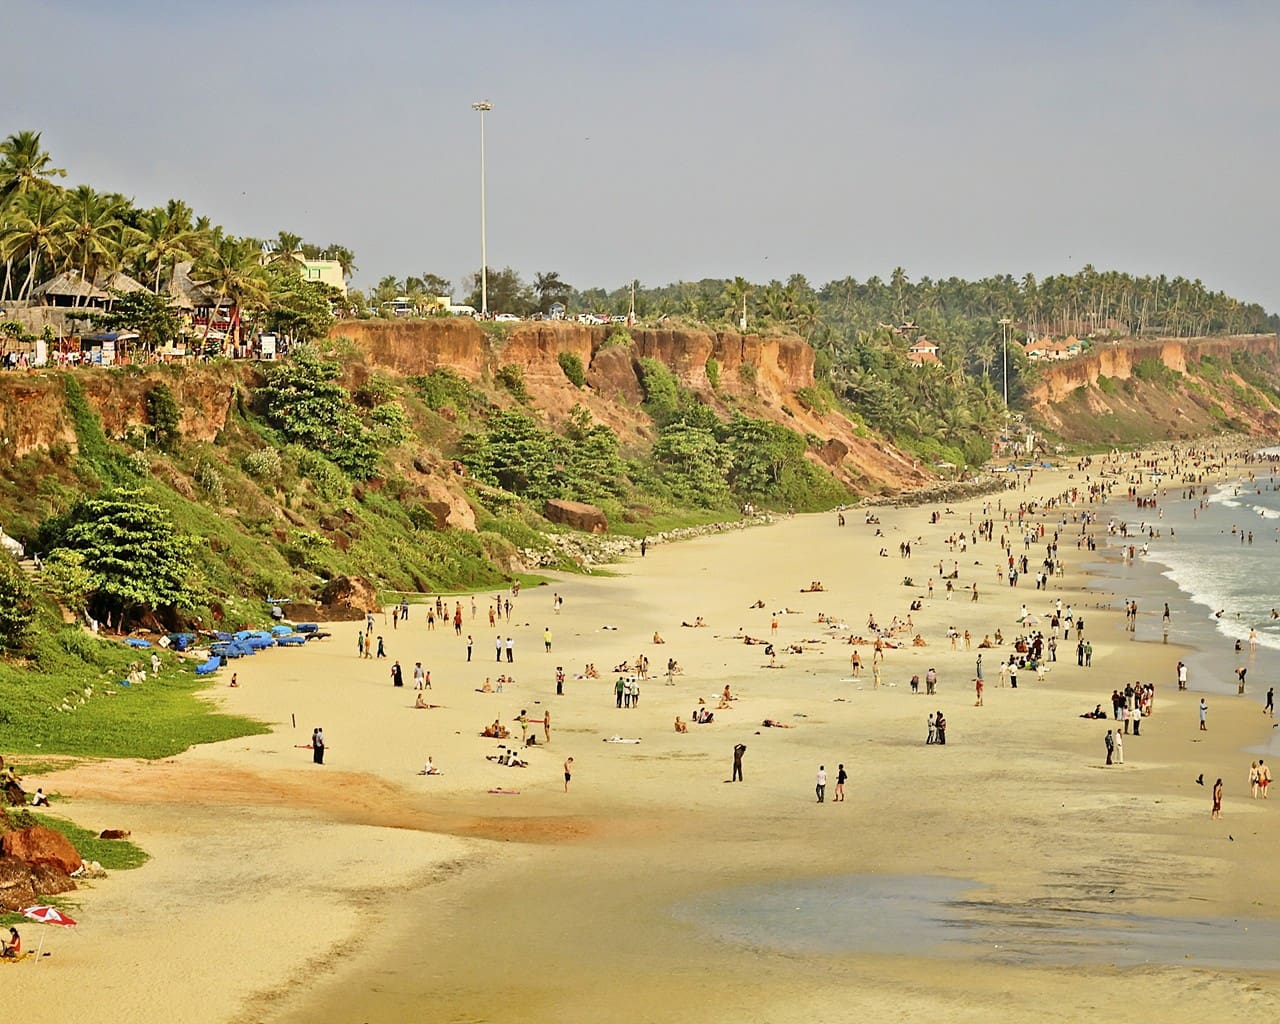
34, 416
757, 375
1058, 380
1127, 409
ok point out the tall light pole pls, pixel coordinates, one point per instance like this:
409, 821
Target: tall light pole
1004, 356
482, 106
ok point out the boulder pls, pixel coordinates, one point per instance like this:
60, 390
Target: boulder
114, 833
577, 515
348, 594
16, 890
833, 452
40, 845
50, 881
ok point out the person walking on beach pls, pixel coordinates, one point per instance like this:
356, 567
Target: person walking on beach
1269, 708
1241, 671
523, 719
1253, 780
1110, 741
497, 649
511, 650
738, 751
397, 675
559, 680
546, 639
546, 726
1204, 715
1119, 738
933, 731
977, 687
317, 745
940, 725
470, 644
820, 785
1264, 777
1182, 675
842, 777
568, 772
1217, 800
618, 688
644, 546
931, 681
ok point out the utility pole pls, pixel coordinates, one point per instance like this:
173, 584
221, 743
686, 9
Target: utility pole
482, 106
1004, 351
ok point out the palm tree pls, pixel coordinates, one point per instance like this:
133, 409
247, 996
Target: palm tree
345, 257
37, 229
24, 166
734, 300
93, 232
233, 272
164, 238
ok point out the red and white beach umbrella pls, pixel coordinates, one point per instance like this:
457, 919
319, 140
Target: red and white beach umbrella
46, 915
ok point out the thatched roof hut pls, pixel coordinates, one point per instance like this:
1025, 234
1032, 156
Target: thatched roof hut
70, 289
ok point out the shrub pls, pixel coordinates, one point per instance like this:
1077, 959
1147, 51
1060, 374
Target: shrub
511, 377
389, 423
443, 387
17, 605
571, 364
617, 338
327, 479
713, 373
747, 374
661, 390
264, 464
163, 415
1106, 385
210, 481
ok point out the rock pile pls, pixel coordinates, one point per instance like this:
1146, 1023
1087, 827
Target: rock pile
36, 861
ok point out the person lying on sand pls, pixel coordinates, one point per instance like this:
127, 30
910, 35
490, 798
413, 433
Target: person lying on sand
758, 604
496, 731
918, 641
509, 758
487, 688
986, 641
773, 723
793, 649
622, 667
695, 624
1097, 712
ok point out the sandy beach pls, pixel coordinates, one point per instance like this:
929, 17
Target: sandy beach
360, 890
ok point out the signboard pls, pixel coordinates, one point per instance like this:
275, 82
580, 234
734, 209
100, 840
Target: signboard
267, 345
108, 353
42, 352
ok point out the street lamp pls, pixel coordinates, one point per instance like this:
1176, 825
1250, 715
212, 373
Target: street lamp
482, 106
1004, 350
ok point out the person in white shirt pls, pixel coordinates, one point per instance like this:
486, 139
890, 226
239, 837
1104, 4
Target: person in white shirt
821, 787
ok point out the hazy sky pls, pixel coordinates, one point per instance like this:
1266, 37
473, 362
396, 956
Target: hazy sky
678, 139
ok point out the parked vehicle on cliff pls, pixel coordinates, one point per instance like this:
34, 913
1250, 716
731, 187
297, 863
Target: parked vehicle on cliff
460, 310
506, 318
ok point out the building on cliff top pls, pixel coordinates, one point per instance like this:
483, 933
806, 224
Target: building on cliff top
923, 353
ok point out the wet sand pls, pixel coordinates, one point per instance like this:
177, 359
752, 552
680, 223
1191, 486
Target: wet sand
362, 891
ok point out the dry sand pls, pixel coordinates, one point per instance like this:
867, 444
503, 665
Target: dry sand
280, 890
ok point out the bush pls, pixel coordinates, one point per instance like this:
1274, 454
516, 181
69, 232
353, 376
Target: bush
661, 391
163, 415
511, 377
328, 480
17, 604
389, 424
443, 387
210, 481
747, 374
713, 373
571, 364
264, 464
